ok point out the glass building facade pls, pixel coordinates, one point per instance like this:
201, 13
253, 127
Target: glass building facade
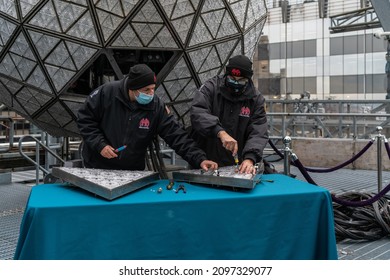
301, 54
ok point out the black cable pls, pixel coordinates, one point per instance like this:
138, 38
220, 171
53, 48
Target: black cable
361, 203
356, 215
279, 153
369, 222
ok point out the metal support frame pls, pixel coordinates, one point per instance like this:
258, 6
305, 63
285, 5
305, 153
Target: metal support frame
9, 124
36, 163
287, 155
365, 18
380, 139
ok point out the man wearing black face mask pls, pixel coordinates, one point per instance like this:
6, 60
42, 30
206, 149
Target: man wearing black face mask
120, 119
228, 117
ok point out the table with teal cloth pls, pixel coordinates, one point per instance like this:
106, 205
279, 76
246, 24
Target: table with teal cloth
281, 220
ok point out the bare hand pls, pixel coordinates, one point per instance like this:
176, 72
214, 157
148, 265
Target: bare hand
108, 152
228, 142
247, 167
208, 164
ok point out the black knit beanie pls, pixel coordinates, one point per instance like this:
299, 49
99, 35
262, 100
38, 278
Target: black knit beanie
240, 66
140, 76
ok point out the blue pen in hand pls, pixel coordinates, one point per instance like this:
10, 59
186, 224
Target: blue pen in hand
120, 149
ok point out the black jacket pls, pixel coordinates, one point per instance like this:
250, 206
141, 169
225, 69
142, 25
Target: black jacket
215, 107
108, 117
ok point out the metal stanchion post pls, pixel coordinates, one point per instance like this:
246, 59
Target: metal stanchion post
379, 156
287, 155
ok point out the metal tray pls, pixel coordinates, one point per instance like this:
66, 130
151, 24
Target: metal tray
109, 184
223, 177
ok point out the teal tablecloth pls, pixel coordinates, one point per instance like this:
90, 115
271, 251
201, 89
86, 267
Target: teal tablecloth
286, 219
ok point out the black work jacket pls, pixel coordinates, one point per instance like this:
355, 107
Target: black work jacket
215, 107
108, 117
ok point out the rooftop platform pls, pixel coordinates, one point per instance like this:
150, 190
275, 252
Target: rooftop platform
13, 198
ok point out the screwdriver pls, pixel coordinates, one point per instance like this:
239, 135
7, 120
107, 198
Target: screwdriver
236, 162
120, 148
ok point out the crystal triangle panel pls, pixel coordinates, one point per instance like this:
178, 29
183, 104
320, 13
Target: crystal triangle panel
12, 87
147, 32
128, 5
238, 49
59, 76
47, 18
182, 110
111, 6
183, 8
164, 96
32, 100
213, 20
8, 99
163, 40
80, 54
8, 67
22, 48
212, 61
201, 33
68, 13
188, 92
6, 30
251, 38
43, 43
23, 65
239, 9
182, 26
128, 38
27, 6
211, 5
60, 113
175, 88
9, 8
208, 74
148, 13
199, 56
108, 23
255, 12
38, 79
48, 120
84, 29
224, 49
61, 58
22, 57
227, 26
179, 71
168, 6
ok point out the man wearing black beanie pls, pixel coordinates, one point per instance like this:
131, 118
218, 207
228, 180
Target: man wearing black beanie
228, 117
120, 119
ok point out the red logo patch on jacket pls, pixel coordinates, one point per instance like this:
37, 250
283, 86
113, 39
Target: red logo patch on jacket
236, 72
245, 112
144, 123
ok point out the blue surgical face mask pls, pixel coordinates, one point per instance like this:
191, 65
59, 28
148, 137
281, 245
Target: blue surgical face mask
144, 98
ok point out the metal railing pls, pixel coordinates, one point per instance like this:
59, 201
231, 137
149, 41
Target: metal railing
9, 127
356, 119
36, 163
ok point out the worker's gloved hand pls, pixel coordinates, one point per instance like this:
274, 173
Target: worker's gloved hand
247, 167
108, 152
228, 142
208, 164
